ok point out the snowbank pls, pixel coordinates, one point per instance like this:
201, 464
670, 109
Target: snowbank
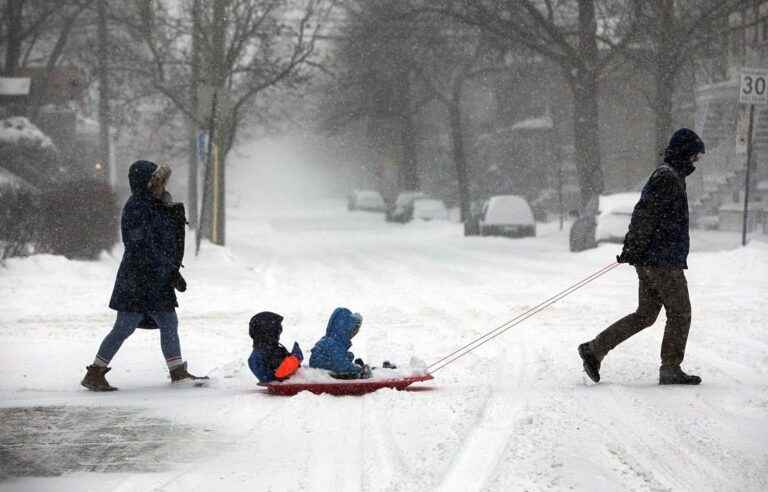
18, 128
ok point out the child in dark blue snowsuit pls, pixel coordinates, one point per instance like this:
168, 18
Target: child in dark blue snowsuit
332, 351
269, 360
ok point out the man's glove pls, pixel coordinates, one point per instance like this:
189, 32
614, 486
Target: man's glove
178, 282
359, 362
625, 257
366, 372
388, 365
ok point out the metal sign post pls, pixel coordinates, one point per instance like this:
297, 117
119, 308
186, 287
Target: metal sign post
753, 90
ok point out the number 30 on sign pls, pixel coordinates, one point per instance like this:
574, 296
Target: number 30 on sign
754, 86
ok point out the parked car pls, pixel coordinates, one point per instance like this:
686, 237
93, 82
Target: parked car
369, 200
507, 215
609, 223
402, 209
429, 209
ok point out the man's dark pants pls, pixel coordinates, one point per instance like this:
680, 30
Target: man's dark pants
659, 286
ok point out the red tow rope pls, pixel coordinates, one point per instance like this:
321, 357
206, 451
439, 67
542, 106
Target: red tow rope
487, 337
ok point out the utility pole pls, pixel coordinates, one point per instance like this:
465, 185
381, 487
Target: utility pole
193, 124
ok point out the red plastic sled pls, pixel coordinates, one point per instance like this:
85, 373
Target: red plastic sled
344, 387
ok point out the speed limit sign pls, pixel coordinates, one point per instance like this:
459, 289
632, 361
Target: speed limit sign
754, 86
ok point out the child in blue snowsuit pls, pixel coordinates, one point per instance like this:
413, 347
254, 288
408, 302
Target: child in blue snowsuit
332, 351
269, 360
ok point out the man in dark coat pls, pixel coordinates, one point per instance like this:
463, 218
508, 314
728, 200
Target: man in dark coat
657, 246
148, 273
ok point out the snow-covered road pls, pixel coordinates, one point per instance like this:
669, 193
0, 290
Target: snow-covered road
517, 414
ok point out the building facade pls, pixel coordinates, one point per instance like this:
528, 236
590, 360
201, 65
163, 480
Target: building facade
717, 190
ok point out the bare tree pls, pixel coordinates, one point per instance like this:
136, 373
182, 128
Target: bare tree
37, 26
674, 35
23, 21
245, 48
449, 56
570, 33
377, 81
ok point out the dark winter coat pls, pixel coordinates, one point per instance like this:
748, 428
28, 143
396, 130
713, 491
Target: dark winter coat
658, 232
177, 214
332, 351
145, 279
265, 329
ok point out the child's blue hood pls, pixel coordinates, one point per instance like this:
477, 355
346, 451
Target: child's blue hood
343, 324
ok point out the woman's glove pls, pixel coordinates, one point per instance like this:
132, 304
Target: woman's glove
178, 282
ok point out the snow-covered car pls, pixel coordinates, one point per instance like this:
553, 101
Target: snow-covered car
609, 223
402, 209
429, 209
507, 215
614, 215
368, 200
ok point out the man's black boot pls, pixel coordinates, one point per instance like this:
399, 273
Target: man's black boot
591, 362
675, 375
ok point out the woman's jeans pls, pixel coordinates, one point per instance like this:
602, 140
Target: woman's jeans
127, 323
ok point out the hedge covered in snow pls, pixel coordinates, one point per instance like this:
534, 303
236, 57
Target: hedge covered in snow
76, 219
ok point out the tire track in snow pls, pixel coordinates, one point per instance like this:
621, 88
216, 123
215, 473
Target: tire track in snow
479, 452
328, 422
664, 435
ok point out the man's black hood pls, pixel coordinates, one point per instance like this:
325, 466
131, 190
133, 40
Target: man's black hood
139, 175
683, 145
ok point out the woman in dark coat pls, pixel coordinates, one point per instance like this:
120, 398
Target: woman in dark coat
148, 274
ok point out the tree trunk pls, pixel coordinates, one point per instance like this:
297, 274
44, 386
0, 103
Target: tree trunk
665, 72
212, 215
409, 169
13, 18
105, 119
459, 157
215, 191
40, 94
409, 172
587, 138
586, 117
665, 86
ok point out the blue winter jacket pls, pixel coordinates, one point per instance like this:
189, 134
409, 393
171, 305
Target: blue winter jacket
263, 362
332, 351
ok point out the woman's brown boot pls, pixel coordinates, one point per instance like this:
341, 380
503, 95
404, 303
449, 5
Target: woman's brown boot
94, 379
